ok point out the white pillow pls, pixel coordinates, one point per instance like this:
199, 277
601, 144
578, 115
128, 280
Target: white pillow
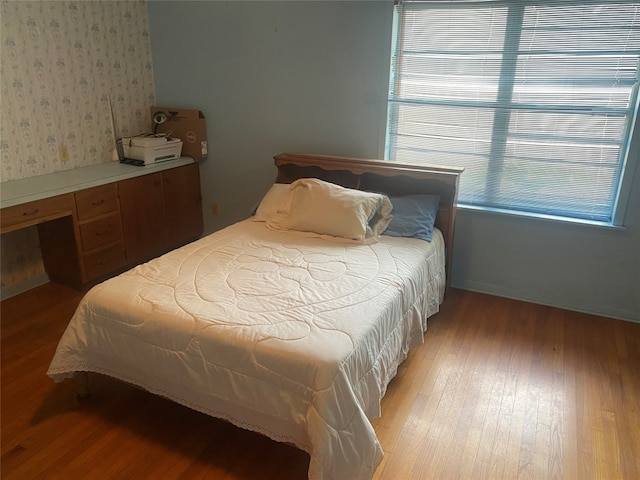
327, 209
272, 200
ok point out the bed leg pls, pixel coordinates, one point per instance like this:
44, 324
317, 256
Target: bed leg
83, 386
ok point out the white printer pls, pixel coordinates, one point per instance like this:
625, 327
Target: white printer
150, 148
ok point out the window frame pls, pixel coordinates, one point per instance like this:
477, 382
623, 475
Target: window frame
630, 151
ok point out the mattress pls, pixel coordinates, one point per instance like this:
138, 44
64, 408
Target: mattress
293, 337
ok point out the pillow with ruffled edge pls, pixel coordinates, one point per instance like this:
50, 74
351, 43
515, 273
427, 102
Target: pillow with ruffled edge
414, 216
327, 209
272, 200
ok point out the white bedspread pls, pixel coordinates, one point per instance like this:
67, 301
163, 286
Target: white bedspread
293, 337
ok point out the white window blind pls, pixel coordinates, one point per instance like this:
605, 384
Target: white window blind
535, 99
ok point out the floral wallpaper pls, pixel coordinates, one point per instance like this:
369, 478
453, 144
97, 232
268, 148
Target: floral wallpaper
69, 71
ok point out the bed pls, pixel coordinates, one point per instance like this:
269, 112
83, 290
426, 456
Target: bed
276, 327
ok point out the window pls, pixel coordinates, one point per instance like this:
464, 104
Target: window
535, 99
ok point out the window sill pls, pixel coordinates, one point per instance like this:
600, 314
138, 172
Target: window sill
541, 217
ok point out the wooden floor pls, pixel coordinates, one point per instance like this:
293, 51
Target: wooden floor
500, 390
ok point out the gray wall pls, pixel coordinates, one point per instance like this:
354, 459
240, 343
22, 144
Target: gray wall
272, 77
306, 76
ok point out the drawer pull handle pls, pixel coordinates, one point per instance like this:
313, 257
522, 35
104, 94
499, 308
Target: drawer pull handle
32, 212
99, 202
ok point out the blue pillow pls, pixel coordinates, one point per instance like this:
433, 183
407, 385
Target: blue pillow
413, 216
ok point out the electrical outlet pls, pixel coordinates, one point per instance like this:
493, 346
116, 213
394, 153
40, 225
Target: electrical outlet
215, 208
63, 152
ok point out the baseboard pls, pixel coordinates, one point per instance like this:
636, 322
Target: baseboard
499, 291
21, 287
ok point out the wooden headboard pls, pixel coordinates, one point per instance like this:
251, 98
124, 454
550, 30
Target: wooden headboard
384, 177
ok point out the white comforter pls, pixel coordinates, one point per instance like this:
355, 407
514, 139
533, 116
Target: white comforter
290, 336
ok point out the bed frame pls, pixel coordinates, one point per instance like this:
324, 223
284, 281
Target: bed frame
381, 176
370, 175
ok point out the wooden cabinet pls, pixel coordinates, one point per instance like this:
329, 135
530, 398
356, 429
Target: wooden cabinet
183, 204
101, 246
87, 245
89, 234
143, 220
160, 211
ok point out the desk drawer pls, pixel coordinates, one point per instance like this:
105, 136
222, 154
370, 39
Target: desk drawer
104, 262
95, 201
39, 211
100, 232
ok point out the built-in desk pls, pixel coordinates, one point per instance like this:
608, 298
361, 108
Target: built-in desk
94, 221
17, 192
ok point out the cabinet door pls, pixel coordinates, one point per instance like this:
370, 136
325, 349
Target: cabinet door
143, 218
183, 204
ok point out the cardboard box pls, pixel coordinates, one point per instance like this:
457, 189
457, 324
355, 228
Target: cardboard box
187, 125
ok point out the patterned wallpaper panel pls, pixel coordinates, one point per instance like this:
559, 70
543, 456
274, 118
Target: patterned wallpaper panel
65, 66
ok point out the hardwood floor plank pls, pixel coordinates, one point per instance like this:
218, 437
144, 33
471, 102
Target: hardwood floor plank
500, 389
